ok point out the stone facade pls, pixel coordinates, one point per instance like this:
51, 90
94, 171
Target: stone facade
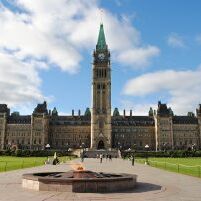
97, 128
160, 130
101, 95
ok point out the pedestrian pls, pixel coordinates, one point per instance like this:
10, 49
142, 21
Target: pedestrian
82, 157
101, 158
110, 157
106, 157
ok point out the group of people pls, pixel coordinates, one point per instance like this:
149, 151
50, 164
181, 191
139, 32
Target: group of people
107, 156
99, 156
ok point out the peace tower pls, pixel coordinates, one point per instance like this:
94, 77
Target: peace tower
101, 95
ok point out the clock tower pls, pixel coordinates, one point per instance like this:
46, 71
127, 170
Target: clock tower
101, 95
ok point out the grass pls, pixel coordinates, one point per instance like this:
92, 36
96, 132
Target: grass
188, 166
8, 163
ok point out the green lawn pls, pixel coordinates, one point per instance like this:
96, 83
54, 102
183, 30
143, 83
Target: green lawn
8, 163
189, 166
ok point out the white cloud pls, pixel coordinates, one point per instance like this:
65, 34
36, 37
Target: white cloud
175, 40
137, 109
56, 32
19, 82
139, 56
198, 39
183, 88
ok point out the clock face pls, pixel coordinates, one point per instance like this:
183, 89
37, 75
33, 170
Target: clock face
101, 56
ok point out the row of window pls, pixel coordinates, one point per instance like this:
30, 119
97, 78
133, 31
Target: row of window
22, 142
101, 73
72, 130
163, 141
131, 130
67, 143
132, 135
22, 134
69, 135
18, 134
75, 138
130, 144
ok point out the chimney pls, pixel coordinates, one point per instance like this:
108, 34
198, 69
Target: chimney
79, 113
130, 113
124, 112
73, 113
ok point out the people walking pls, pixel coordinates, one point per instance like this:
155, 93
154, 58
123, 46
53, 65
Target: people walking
82, 157
101, 158
110, 157
106, 157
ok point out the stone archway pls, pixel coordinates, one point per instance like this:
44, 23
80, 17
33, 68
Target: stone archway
101, 145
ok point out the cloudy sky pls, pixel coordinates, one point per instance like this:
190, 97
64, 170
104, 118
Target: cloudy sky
46, 48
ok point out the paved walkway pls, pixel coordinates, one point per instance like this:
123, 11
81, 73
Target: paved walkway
153, 184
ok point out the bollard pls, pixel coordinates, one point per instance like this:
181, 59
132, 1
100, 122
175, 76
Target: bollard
199, 171
177, 167
5, 168
133, 161
22, 165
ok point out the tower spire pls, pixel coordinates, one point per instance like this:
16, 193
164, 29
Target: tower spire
101, 44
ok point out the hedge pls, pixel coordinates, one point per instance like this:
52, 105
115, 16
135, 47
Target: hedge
173, 154
28, 153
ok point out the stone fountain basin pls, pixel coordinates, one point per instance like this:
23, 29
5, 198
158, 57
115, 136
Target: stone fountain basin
79, 181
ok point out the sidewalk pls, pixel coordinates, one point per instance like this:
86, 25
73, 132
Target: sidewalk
153, 184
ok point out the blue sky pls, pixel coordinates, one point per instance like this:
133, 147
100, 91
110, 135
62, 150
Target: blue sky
46, 48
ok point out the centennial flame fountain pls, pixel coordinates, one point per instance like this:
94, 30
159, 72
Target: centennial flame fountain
79, 180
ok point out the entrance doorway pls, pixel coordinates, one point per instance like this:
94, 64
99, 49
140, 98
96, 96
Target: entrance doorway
101, 145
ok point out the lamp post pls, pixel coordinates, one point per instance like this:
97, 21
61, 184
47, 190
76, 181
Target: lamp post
133, 154
47, 146
165, 146
82, 155
118, 145
118, 148
67, 148
146, 148
193, 147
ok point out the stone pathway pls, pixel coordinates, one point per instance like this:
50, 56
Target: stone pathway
153, 184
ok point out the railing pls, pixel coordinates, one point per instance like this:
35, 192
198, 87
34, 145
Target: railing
174, 167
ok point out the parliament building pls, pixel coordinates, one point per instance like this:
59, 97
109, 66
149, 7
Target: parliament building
99, 127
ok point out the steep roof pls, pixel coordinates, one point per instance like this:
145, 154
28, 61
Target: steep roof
184, 120
163, 110
70, 120
132, 121
22, 119
101, 44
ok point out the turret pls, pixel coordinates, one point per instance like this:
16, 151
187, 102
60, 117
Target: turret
40, 126
164, 126
4, 113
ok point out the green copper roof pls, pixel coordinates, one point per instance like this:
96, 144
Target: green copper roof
101, 44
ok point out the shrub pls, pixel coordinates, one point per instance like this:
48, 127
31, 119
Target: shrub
172, 153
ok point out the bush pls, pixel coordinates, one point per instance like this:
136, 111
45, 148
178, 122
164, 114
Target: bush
34, 153
172, 154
